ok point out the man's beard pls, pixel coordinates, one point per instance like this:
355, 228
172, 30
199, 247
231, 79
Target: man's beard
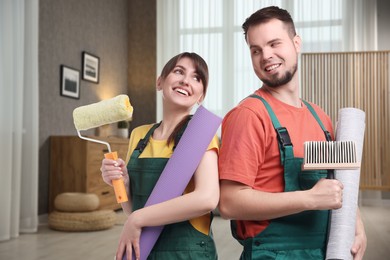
276, 81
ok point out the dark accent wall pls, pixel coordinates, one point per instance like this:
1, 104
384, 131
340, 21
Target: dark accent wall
142, 60
122, 34
383, 9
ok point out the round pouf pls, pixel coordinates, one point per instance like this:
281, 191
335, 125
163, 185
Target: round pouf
76, 202
82, 221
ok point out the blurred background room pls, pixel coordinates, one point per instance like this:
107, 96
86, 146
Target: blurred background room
344, 62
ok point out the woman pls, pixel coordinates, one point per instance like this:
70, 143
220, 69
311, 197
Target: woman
187, 219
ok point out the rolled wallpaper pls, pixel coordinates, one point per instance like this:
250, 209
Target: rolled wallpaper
179, 169
350, 127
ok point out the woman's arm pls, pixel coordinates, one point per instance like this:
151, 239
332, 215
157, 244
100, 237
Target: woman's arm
360, 243
202, 200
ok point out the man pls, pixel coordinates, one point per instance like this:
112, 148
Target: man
279, 211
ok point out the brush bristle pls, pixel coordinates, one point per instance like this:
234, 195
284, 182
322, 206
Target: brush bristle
330, 155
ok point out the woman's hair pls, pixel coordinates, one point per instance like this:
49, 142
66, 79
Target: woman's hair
201, 70
266, 14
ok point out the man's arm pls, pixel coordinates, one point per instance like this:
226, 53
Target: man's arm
239, 201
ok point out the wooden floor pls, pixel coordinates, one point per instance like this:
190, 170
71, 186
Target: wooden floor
53, 245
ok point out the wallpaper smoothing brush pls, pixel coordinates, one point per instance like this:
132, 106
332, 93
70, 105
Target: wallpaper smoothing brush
327, 155
330, 156
101, 113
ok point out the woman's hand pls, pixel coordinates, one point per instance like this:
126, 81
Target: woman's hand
130, 238
113, 170
360, 243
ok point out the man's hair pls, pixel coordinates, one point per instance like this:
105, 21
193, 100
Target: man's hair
266, 14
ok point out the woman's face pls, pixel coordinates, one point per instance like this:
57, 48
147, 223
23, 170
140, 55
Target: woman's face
182, 87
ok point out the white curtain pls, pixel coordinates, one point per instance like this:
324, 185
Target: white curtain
361, 29
213, 30
19, 109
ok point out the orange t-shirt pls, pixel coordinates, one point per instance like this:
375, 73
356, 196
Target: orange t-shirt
249, 152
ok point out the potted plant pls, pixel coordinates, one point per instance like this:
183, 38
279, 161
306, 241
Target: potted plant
123, 129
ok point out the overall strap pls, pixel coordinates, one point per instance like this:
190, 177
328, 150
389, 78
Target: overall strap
326, 132
180, 133
144, 141
313, 112
285, 145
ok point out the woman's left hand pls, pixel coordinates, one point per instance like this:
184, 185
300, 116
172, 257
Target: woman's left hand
360, 243
129, 239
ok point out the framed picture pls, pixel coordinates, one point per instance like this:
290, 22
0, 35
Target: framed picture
70, 82
90, 67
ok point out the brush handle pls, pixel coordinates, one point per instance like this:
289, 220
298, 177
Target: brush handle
330, 174
119, 185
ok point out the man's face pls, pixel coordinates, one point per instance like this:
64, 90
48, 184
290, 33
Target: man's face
274, 53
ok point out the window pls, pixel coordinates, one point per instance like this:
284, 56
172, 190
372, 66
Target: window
212, 28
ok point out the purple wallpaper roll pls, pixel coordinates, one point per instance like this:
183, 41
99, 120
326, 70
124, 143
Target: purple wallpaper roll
179, 169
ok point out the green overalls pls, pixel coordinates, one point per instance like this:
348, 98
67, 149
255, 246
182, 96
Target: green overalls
179, 240
298, 236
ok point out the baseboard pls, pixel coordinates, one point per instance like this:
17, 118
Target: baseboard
375, 202
43, 219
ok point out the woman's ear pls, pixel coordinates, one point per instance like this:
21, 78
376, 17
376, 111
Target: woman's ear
200, 100
158, 83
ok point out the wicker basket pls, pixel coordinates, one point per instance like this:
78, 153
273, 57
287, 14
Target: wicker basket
82, 221
76, 202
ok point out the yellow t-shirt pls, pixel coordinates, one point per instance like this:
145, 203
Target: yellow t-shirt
160, 149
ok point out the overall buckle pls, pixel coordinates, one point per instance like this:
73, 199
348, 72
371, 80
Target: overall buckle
283, 136
141, 145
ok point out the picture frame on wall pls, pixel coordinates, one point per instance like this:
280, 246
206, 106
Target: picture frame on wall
90, 65
70, 82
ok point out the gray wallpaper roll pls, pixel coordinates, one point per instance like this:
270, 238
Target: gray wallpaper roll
350, 127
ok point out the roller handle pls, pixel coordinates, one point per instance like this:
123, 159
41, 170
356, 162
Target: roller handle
119, 185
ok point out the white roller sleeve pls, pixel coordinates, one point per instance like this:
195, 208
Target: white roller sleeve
350, 127
104, 112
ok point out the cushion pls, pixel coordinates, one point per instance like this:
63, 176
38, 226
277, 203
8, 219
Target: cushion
82, 221
76, 202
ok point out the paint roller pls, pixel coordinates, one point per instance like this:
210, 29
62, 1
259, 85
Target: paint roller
102, 113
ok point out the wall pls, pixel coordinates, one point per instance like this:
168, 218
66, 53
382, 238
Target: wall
142, 60
383, 9
66, 28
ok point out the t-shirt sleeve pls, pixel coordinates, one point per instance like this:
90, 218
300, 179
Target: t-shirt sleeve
131, 147
242, 146
214, 144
